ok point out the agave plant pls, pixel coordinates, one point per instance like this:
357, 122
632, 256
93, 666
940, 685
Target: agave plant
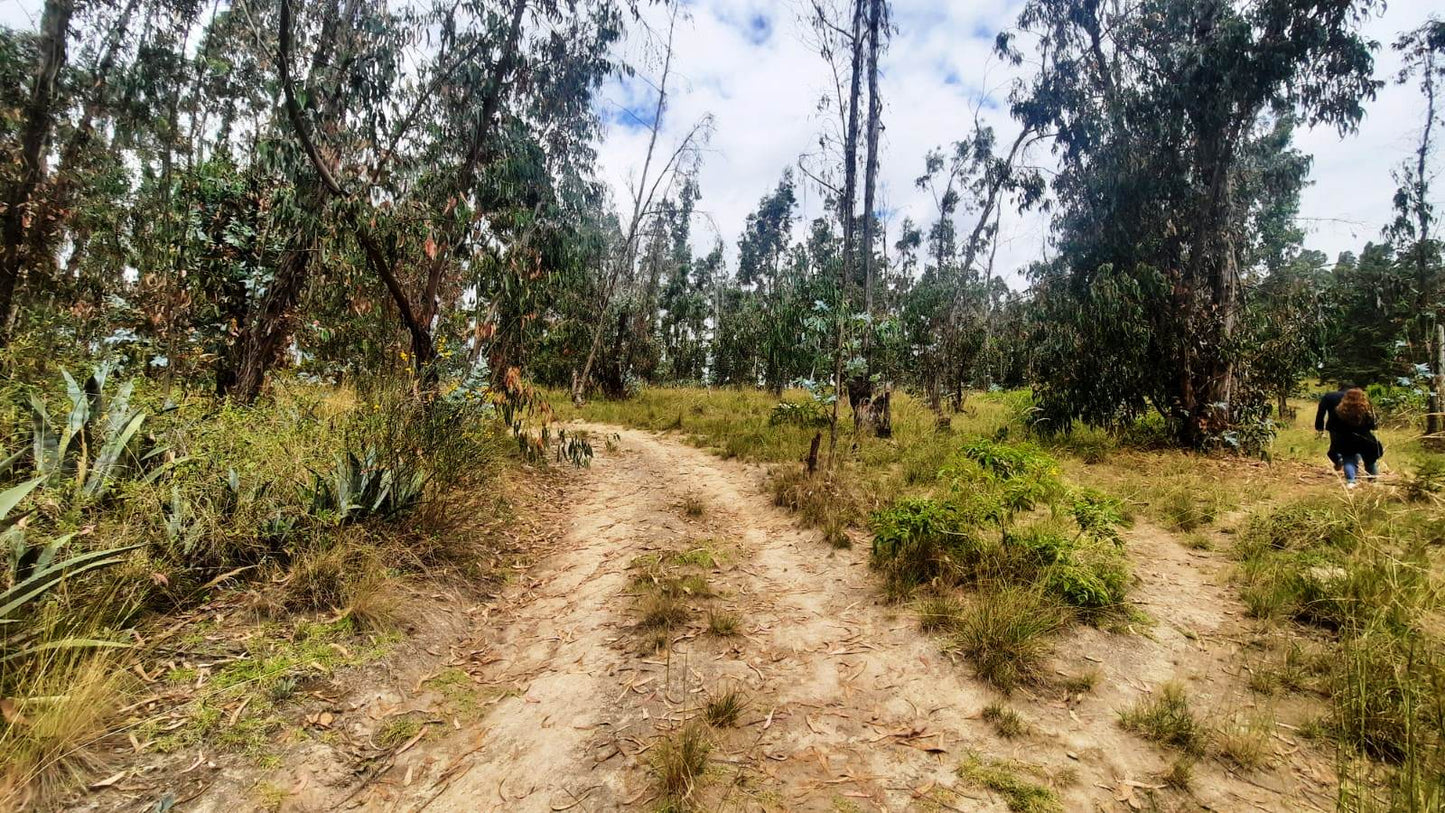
34, 570
89, 448
360, 487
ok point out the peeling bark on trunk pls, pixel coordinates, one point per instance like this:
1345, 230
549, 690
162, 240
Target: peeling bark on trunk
35, 134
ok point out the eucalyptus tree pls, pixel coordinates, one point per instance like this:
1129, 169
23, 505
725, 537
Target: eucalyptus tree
951, 315
1154, 107
659, 173
1423, 50
27, 144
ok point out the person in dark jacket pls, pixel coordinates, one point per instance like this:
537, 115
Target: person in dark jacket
1325, 420
1351, 424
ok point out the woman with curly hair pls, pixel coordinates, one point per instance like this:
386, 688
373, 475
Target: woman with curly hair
1352, 436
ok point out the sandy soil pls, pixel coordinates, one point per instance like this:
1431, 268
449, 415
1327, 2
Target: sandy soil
849, 705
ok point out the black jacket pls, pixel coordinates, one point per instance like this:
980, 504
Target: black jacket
1346, 439
1328, 402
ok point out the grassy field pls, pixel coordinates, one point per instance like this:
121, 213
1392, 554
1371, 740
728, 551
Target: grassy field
999, 539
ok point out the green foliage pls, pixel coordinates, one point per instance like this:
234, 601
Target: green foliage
33, 571
972, 536
361, 487
1142, 308
92, 448
807, 414
1099, 515
916, 541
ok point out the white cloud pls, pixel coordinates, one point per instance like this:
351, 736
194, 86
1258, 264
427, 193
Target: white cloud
763, 93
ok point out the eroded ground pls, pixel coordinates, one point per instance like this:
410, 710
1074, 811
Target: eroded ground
556, 697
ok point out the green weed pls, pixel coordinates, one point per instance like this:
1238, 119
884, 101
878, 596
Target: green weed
1006, 779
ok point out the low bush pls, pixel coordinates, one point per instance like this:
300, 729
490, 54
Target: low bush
917, 541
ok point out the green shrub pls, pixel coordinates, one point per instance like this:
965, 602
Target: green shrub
809, 414
917, 541
1099, 515
1020, 475
1083, 573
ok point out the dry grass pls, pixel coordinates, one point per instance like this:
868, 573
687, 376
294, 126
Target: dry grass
1244, 741
52, 745
724, 708
1082, 683
1180, 775
398, 731
828, 501
940, 613
661, 612
1167, 719
679, 761
693, 507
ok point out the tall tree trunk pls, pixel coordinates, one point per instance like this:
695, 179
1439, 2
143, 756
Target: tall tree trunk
1423, 244
870, 166
846, 202
623, 264
261, 338
34, 136
877, 408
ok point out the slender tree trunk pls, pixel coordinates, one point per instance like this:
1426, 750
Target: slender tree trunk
870, 166
261, 337
34, 137
846, 215
877, 408
623, 265
1433, 418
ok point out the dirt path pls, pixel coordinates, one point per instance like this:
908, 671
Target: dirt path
849, 706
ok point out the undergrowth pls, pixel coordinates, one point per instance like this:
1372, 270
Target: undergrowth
132, 502
1359, 569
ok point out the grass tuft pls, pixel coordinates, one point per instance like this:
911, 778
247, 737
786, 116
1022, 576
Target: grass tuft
661, 612
724, 709
722, 624
1082, 683
1007, 722
1005, 633
679, 761
1180, 775
1244, 741
1167, 719
693, 506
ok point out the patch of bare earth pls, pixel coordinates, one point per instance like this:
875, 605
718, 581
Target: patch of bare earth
566, 706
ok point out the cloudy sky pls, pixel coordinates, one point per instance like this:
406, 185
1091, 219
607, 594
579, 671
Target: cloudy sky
750, 64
